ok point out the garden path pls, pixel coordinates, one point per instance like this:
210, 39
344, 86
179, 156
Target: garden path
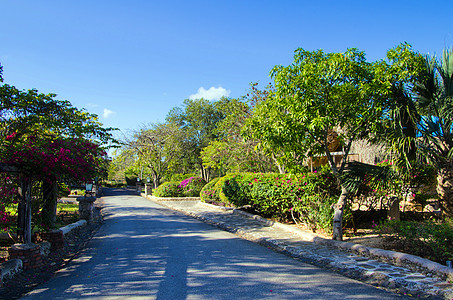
145, 250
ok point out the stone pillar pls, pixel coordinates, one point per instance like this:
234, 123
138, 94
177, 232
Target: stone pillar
139, 187
54, 237
30, 254
148, 189
98, 191
86, 208
394, 210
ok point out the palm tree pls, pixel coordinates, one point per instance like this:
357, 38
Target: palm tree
434, 102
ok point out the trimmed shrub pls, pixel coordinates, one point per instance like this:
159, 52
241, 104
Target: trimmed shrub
306, 198
229, 198
192, 186
168, 189
209, 193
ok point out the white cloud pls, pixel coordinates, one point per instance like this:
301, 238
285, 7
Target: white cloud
212, 93
108, 113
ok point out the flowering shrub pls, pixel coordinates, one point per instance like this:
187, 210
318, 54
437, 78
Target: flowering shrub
303, 198
209, 193
47, 159
168, 189
51, 157
192, 186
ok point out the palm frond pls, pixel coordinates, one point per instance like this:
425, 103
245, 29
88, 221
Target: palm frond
446, 71
358, 173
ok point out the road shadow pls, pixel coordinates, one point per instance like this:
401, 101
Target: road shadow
146, 250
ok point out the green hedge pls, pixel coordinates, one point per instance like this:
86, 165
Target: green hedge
189, 187
168, 189
209, 193
192, 186
306, 198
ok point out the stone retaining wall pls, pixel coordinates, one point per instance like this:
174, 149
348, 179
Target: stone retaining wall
29, 256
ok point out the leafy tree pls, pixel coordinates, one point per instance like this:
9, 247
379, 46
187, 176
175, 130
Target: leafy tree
318, 93
33, 125
231, 152
198, 119
156, 147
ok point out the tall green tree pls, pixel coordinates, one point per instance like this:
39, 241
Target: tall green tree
318, 93
198, 119
232, 151
156, 147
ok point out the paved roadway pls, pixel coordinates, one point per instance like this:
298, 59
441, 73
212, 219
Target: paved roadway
146, 251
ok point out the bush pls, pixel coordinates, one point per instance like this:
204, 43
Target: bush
427, 239
222, 186
192, 186
307, 198
168, 189
209, 193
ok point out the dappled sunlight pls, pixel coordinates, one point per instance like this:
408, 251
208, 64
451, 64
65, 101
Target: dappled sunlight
169, 256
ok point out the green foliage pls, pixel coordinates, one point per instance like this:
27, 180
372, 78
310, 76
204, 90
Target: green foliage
198, 119
304, 198
315, 94
209, 193
168, 189
63, 190
192, 186
221, 186
231, 152
427, 239
181, 177
131, 176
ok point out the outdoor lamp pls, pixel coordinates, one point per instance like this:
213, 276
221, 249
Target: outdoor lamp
88, 187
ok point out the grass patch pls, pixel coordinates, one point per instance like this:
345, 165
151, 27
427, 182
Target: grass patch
67, 207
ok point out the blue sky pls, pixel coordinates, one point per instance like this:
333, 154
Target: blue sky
131, 61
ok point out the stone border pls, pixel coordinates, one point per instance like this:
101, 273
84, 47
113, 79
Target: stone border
415, 263
13, 266
412, 262
170, 198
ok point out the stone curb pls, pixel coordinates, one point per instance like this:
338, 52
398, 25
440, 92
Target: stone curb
412, 262
13, 266
72, 226
426, 288
170, 198
415, 263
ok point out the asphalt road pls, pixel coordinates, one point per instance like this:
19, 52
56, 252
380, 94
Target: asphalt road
145, 251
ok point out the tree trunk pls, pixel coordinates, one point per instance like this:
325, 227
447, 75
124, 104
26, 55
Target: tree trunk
24, 211
205, 172
50, 195
445, 189
338, 215
156, 180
